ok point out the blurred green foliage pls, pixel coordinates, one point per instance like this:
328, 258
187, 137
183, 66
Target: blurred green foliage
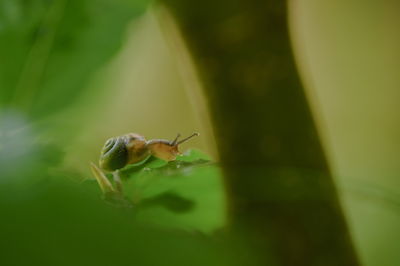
55, 222
51, 48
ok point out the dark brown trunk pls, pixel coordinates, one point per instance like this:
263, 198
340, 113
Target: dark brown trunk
280, 191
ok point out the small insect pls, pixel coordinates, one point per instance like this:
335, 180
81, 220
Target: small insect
133, 148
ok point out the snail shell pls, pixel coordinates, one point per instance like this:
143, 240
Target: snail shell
120, 151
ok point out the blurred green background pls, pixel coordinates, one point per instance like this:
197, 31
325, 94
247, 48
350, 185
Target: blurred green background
76, 72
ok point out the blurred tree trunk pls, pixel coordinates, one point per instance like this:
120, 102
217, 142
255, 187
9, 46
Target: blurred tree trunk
281, 194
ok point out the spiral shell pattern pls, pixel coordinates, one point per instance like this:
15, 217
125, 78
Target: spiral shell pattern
114, 154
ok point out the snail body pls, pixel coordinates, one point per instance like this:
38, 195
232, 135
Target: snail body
133, 148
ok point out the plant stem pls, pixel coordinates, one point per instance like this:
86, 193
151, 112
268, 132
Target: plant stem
282, 198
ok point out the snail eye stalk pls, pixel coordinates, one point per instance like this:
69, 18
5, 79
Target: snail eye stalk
173, 143
186, 139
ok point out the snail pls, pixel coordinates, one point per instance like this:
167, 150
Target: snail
133, 148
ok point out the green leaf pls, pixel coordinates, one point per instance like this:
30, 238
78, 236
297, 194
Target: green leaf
47, 220
186, 193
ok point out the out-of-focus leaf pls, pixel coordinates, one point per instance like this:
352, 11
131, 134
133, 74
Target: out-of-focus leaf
62, 223
50, 49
